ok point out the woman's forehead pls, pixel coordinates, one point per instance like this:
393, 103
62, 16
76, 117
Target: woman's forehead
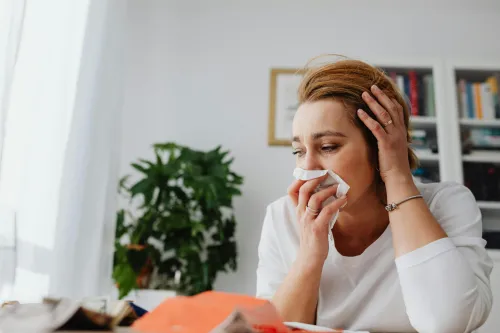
321, 116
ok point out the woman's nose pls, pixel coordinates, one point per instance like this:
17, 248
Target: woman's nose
312, 162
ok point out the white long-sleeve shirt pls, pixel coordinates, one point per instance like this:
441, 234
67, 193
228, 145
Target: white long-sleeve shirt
439, 288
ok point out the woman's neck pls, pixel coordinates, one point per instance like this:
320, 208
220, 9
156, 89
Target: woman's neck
360, 224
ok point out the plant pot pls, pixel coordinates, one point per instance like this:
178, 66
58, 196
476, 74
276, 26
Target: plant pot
149, 299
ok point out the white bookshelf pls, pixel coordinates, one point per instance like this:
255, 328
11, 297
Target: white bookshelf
426, 155
493, 205
435, 124
448, 126
480, 123
469, 69
482, 156
447, 123
422, 121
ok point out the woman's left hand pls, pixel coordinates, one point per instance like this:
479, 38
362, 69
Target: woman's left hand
390, 132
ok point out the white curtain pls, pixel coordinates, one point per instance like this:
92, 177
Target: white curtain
59, 166
11, 23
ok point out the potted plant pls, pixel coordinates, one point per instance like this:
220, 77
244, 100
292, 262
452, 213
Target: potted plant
177, 232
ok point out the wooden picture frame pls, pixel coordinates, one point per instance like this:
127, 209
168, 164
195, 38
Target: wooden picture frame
283, 103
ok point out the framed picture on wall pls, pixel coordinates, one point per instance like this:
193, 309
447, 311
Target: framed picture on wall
283, 104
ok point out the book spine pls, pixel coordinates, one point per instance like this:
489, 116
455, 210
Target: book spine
422, 106
477, 101
413, 93
432, 97
462, 105
464, 98
493, 82
487, 101
426, 96
407, 86
400, 81
470, 100
429, 95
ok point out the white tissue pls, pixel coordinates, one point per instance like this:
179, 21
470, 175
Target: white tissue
332, 179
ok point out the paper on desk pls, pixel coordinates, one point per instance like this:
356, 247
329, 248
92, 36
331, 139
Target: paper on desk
315, 328
57, 314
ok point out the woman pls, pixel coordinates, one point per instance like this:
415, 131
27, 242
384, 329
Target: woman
421, 266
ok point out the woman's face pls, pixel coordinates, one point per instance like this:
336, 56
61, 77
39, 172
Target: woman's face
325, 138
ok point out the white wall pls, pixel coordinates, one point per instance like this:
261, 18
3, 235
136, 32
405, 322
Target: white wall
198, 74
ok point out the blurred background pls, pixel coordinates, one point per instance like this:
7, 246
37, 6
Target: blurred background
198, 73
89, 86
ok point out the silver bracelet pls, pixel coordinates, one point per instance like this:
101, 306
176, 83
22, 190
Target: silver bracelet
392, 206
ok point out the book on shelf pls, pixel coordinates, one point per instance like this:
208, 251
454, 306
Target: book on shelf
414, 93
418, 90
482, 138
479, 100
429, 95
483, 179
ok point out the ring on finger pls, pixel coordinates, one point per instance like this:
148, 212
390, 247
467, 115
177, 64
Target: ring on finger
312, 210
388, 123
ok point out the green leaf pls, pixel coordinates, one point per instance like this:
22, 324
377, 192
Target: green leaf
169, 146
140, 168
121, 229
122, 183
125, 279
149, 163
159, 161
144, 187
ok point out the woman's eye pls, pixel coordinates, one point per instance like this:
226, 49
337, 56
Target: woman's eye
329, 148
297, 152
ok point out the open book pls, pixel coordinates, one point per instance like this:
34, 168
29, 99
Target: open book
65, 314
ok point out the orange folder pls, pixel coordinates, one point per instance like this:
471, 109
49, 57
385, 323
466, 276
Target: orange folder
196, 314
206, 311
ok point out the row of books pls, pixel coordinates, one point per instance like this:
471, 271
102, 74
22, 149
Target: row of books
483, 179
419, 90
479, 100
481, 138
426, 174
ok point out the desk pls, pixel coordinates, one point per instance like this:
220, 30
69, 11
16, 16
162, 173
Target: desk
118, 330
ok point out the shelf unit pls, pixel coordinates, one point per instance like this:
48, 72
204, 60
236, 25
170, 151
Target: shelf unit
473, 70
434, 125
447, 123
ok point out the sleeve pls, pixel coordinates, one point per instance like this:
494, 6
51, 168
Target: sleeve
445, 284
271, 269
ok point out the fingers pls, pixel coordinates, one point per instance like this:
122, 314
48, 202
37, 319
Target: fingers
306, 190
388, 104
317, 199
380, 112
329, 210
400, 112
373, 125
293, 191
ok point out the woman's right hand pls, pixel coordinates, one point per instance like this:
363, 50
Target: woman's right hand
314, 227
